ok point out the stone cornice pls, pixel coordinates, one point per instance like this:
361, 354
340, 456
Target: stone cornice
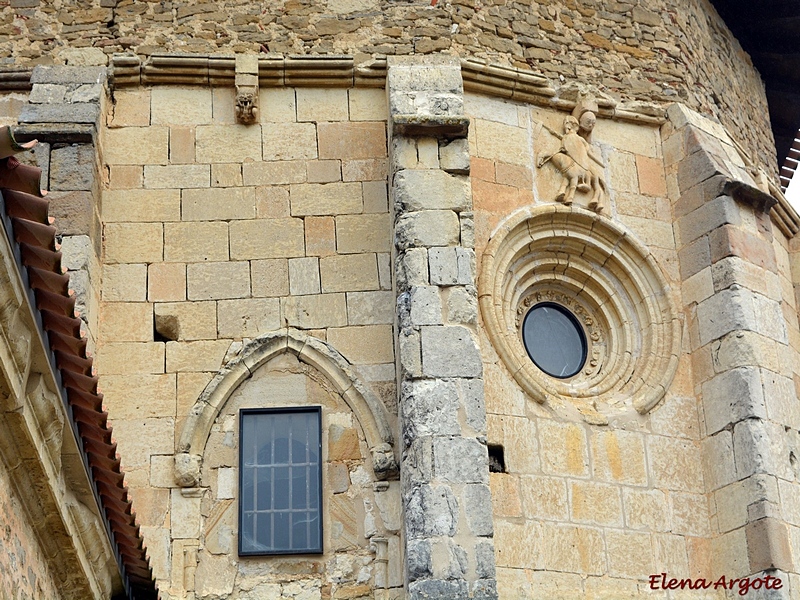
341, 71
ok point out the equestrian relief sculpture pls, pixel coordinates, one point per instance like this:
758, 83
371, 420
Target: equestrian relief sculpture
578, 161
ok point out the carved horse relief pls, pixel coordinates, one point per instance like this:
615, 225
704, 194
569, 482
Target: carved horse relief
579, 163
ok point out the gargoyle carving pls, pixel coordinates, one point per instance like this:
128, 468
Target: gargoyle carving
246, 107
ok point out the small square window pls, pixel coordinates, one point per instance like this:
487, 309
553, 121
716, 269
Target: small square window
280, 481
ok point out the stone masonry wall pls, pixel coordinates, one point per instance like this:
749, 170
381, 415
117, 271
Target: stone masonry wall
661, 50
601, 506
24, 573
215, 233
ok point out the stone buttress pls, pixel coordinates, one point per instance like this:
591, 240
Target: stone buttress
445, 470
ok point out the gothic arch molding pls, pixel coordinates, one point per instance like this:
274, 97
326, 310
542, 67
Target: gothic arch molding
368, 409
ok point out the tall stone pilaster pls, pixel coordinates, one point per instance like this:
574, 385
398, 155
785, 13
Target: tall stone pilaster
445, 470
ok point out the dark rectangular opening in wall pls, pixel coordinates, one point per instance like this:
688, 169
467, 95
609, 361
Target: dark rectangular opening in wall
497, 461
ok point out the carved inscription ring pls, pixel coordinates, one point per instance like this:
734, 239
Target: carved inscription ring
598, 271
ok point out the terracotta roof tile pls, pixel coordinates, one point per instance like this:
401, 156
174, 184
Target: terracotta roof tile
36, 239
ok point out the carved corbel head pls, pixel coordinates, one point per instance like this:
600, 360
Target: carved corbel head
384, 463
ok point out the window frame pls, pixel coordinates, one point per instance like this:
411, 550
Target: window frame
244, 412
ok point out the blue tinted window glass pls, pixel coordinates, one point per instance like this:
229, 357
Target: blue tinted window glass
555, 340
279, 487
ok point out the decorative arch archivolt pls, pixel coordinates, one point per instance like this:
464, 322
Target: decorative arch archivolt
367, 408
597, 270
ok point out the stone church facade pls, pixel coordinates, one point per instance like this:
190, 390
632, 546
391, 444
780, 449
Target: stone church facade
339, 221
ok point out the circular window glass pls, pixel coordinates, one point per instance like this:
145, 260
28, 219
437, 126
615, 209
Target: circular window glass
554, 340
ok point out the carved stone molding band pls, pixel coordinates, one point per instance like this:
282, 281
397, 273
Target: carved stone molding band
608, 280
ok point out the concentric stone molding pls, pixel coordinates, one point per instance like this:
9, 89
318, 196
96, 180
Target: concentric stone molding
610, 281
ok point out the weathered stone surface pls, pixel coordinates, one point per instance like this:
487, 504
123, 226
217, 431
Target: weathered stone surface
431, 189
461, 460
429, 407
450, 351
427, 228
733, 396
478, 508
430, 510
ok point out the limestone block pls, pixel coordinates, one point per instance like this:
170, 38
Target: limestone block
277, 172
412, 268
709, 216
195, 241
72, 167
384, 271
157, 541
596, 503
675, 464
770, 321
425, 305
518, 436
464, 460
124, 177
126, 321
349, 273
646, 509
370, 308
227, 143
177, 176
352, 140
618, 456
304, 276
404, 154
367, 104
326, 199
629, 553
651, 176
563, 448
430, 510
181, 145
272, 202
267, 238
431, 189
247, 318
761, 447
629, 137
186, 320
733, 396
125, 283
218, 281
375, 197
227, 483
506, 501
136, 146
162, 471
427, 228
462, 305
428, 153
129, 358
515, 550
139, 396
689, 514
451, 266
303, 136
622, 167
471, 397
364, 344
178, 106
719, 468
314, 312
454, 156
450, 351
652, 232
322, 104
131, 109
558, 545
137, 439
370, 169
498, 141
320, 236
363, 233
429, 408
270, 277
141, 205
323, 171
226, 175
409, 349
698, 287
184, 515
724, 312
218, 204
279, 105
196, 356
